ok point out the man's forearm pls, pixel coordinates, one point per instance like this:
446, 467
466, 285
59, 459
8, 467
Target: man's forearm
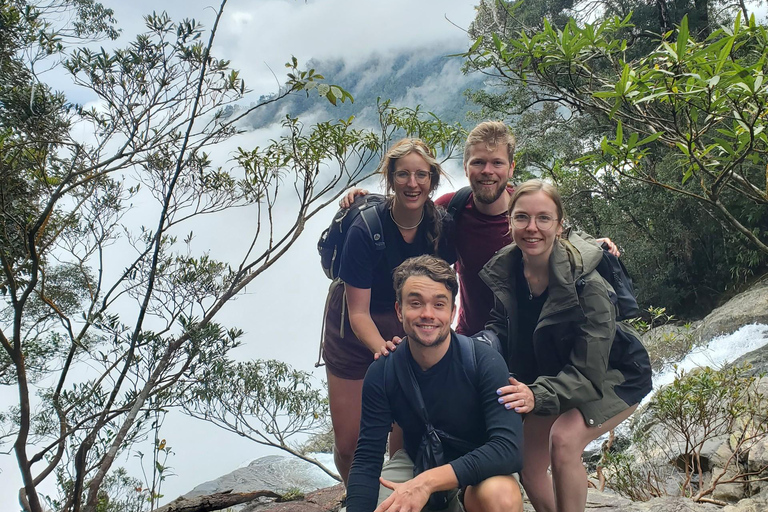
441, 478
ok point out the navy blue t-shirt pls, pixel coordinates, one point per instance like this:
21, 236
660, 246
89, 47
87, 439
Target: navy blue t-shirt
362, 266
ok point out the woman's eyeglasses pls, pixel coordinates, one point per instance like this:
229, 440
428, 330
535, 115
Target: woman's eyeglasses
403, 177
523, 220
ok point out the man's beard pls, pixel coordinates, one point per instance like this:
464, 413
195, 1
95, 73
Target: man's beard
436, 343
486, 196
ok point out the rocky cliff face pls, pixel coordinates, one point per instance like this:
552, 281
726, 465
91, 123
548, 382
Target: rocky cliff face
749, 307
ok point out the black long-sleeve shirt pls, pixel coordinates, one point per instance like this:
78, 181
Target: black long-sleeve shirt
464, 409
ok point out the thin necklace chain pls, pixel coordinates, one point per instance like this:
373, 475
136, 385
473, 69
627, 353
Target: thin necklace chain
528, 283
406, 228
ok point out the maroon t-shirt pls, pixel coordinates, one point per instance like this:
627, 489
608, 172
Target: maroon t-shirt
478, 237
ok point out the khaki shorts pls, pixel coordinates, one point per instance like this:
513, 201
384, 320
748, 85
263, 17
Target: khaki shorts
399, 469
345, 356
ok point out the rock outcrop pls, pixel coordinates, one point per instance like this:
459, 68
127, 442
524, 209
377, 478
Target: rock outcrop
749, 307
757, 359
275, 473
596, 501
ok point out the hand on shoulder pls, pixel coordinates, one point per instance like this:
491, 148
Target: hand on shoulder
388, 347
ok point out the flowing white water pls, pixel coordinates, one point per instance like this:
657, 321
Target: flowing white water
720, 351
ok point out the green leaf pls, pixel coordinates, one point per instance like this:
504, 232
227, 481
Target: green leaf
682, 37
652, 137
476, 45
497, 42
632, 142
726, 146
671, 51
724, 54
687, 175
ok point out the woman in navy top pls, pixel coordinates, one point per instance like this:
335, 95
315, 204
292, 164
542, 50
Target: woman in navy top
360, 316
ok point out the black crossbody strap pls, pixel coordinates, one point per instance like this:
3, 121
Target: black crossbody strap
410, 387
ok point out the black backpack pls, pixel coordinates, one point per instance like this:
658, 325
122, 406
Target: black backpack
458, 201
613, 270
332, 239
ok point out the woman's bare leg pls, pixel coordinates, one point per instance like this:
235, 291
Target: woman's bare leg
535, 477
568, 437
345, 400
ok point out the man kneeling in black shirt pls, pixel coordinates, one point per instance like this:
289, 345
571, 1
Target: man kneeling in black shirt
461, 404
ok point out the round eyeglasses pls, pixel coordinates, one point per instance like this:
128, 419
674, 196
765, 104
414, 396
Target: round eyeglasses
403, 177
523, 220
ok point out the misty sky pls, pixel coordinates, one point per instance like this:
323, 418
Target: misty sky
281, 311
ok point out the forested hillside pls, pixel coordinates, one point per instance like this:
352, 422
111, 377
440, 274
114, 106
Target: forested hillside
428, 78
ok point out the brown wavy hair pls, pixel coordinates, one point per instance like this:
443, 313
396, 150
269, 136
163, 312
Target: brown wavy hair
429, 266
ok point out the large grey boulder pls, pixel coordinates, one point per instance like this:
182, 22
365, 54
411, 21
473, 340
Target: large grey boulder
757, 503
671, 504
749, 307
272, 473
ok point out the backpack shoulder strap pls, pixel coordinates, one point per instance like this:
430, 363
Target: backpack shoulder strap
372, 222
457, 202
409, 385
468, 359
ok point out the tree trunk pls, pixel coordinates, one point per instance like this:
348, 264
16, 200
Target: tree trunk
702, 17
218, 501
664, 22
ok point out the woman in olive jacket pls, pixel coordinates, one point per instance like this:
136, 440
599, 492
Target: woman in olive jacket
577, 371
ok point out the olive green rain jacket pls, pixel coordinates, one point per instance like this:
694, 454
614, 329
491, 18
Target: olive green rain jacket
581, 359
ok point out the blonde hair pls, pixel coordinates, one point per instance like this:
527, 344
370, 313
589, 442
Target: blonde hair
492, 134
405, 147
